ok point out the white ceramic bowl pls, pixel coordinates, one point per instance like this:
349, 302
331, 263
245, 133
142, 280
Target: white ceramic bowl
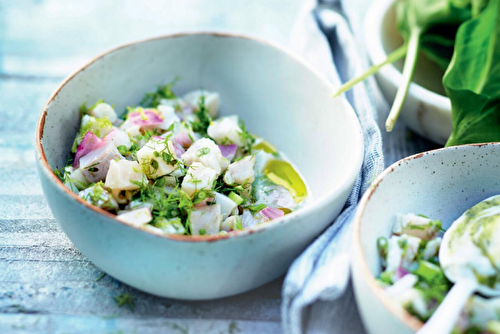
441, 184
427, 110
278, 96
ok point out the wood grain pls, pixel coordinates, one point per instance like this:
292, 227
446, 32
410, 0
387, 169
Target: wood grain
48, 286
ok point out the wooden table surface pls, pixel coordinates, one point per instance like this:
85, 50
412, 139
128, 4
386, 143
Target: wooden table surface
46, 285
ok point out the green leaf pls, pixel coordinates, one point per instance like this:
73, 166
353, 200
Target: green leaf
438, 44
414, 18
472, 81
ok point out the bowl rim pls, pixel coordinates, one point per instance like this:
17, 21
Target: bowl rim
372, 30
315, 205
395, 309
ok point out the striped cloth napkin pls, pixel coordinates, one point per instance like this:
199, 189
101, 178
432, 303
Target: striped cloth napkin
317, 293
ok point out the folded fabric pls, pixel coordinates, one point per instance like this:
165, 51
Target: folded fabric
317, 295
323, 37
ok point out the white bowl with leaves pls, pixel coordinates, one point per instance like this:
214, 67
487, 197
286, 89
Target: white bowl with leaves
412, 44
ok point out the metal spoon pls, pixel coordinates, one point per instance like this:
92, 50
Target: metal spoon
470, 257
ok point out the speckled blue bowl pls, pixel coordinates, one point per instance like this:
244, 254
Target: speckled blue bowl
278, 96
441, 184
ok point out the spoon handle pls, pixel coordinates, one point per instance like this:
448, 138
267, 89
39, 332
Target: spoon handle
445, 317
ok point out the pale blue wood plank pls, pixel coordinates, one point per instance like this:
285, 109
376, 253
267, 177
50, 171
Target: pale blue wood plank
47, 286
34, 323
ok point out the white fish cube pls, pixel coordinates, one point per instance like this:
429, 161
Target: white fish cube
99, 126
275, 196
74, 179
211, 100
417, 226
206, 152
241, 172
169, 116
198, 177
104, 110
227, 205
402, 251
230, 223
432, 248
124, 175
121, 138
133, 130
226, 130
136, 218
99, 197
205, 220
95, 164
157, 158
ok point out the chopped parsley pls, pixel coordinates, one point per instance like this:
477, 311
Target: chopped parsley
100, 277
237, 224
125, 299
256, 208
246, 137
202, 151
152, 100
204, 118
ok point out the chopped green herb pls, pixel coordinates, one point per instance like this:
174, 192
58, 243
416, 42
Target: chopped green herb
233, 328
100, 277
204, 117
125, 299
237, 224
202, 151
246, 137
152, 100
256, 208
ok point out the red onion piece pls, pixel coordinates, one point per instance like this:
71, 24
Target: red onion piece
146, 117
179, 150
183, 139
400, 273
272, 213
109, 136
228, 151
89, 143
187, 110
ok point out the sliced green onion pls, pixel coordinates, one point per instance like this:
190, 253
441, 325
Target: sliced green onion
382, 246
428, 271
235, 198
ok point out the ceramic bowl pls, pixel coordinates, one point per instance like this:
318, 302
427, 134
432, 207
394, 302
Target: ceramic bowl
426, 110
441, 184
279, 97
